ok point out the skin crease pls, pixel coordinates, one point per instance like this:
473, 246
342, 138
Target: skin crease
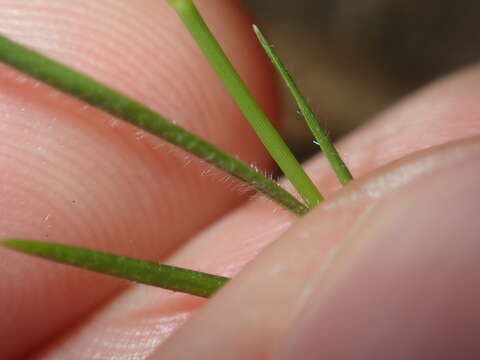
57, 139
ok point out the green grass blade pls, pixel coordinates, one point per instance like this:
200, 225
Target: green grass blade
93, 92
336, 162
245, 101
145, 272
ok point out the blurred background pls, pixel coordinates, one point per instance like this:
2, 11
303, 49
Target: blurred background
353, 58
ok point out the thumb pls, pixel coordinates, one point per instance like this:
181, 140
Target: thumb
408, 284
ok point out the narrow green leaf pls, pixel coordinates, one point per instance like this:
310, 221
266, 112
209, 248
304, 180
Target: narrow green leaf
245, 101
336, 162
145, 272
93, 92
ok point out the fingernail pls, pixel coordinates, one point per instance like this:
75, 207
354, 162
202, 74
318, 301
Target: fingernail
408, 285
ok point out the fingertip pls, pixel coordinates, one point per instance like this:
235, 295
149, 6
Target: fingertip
406, 284
295, 277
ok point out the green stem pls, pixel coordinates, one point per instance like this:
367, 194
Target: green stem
93, 92
145, 272
338, 165
245, 101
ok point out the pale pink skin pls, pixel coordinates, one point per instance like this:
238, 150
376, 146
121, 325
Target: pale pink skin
74, 175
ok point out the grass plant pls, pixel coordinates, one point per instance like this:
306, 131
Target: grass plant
99, 95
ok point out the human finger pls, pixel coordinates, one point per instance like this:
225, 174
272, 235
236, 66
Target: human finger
75, 175
143, 318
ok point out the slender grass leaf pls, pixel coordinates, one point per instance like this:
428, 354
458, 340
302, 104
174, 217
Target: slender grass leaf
336, 162
93, 92
145, 272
